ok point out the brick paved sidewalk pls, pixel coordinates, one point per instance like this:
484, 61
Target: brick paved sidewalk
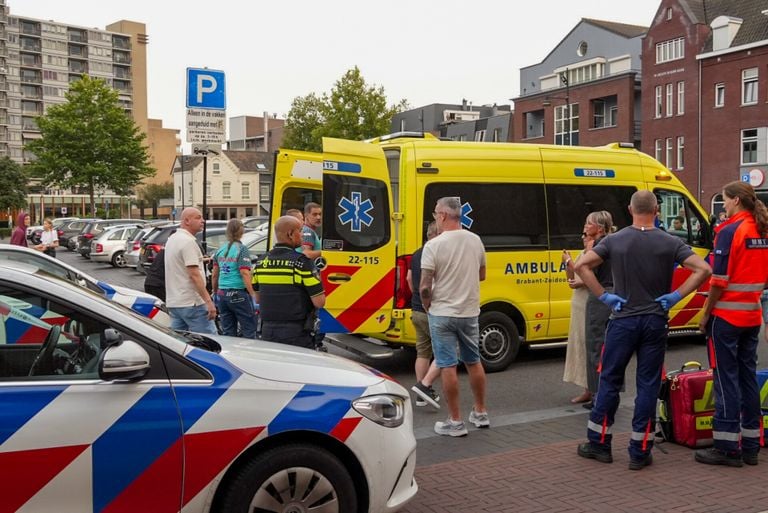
533, 467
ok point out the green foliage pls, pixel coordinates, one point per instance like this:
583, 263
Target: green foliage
152, 193
13, 185
353, 110
90, 142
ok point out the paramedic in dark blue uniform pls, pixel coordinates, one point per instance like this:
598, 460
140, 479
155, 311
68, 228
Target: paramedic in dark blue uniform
289, 288
643, 258
731, 319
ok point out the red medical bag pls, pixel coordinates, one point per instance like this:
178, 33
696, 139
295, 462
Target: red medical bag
686, 406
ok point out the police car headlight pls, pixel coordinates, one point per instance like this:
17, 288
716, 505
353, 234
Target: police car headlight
386, 410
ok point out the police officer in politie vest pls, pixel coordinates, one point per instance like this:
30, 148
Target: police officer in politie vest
289, 288
731, 319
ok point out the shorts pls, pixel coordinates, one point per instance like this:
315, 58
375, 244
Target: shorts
423, 340
450, 333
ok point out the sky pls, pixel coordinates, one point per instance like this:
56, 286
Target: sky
424, 51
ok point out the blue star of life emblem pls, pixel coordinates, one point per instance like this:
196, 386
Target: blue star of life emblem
466, 221
356, 212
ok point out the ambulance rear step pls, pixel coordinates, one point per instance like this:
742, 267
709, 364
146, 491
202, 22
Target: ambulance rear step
368, 347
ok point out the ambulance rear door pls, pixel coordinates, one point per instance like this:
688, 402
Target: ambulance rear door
358, 239
297, 180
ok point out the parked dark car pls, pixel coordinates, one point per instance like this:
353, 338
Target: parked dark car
154, 241
68, 239
95, 228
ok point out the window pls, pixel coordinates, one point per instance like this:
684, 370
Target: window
462, 137
567, 126
264, 195
613, 116
680, 151
669, 162
749, 86
353, 235
693, 229
749, 146
657, 111
480, 135
208, 189
216, 168
657, 150
719, 95
568, 206
245, 190
497, 135
670, 50
669, 13
670, 93
486, 201
598, 117
680, 98
226, 190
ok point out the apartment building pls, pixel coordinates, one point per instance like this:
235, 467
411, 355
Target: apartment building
586, 91
255, 133
38, 61
705, 93
458, 122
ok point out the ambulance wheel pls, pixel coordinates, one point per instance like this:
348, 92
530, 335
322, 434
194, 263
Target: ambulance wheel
499, 341
318, 481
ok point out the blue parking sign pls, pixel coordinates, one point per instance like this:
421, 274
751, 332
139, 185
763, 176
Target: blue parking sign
206, 89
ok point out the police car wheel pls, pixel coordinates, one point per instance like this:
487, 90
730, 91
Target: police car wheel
499, 341
291, 479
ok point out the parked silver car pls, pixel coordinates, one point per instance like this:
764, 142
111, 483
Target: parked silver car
109, 246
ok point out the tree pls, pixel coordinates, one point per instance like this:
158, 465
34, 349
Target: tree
90, 142
13, 185
353, 110
152, 193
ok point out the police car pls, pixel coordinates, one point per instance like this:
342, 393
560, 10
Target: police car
103, 410
143, 303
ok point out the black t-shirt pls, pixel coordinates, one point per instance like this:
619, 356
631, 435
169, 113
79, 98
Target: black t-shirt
603, 271
642, 263
416, 303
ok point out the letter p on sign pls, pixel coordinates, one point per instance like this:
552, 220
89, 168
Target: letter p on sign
206, 89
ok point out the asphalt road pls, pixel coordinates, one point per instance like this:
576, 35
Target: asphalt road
532, 388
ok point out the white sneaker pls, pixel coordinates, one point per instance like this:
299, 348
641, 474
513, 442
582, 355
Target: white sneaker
450, 427
480, 420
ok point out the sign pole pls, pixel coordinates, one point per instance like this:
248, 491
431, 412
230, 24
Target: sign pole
205, 202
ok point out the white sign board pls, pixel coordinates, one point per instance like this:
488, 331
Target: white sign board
206, 106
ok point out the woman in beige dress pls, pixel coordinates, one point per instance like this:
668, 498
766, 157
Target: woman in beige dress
576, 352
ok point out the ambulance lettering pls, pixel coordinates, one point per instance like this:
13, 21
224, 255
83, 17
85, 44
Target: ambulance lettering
533, 267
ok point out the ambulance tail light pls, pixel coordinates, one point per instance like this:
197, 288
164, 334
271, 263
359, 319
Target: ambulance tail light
402, 291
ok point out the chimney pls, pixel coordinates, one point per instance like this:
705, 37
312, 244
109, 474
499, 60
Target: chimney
724, 29
266, 131
463, 104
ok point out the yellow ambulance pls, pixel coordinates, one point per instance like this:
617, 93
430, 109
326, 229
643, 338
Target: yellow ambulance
527, 203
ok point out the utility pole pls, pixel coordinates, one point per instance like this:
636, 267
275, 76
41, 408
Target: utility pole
204, 153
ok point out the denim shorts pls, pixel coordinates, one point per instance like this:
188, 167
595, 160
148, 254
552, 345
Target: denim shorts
454, 339
192, 318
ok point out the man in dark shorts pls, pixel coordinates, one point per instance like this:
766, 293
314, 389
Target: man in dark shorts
643, 259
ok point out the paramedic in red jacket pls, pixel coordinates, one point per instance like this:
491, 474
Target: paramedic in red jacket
731, 319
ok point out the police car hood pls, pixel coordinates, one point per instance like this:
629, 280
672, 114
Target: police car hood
280, 362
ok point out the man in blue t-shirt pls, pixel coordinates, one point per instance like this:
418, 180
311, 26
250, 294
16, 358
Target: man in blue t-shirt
310, 240
643, 260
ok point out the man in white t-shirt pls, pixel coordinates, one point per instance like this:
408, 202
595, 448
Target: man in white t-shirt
189, 304
452, 267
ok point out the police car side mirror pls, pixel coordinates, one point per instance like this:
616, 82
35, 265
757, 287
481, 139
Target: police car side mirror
125, 361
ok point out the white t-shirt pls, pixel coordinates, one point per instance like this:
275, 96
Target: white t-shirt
182, 251
456, 257
48, 237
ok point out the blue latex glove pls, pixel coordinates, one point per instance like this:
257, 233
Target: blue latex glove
667, 301
613, 301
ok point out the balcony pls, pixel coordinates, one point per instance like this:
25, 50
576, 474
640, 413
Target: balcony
29, 29
77, 37
31, 78
30, 46
3, 85
122, 73
77, 67
31, 61
77, 52
121, 43
121, 58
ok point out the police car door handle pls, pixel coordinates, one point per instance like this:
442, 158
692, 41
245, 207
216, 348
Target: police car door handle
339, 277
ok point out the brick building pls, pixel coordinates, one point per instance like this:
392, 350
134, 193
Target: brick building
704, 85
586, 91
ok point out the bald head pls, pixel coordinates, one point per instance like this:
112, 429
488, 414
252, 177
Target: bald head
286, 228
192, 220
643, 203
